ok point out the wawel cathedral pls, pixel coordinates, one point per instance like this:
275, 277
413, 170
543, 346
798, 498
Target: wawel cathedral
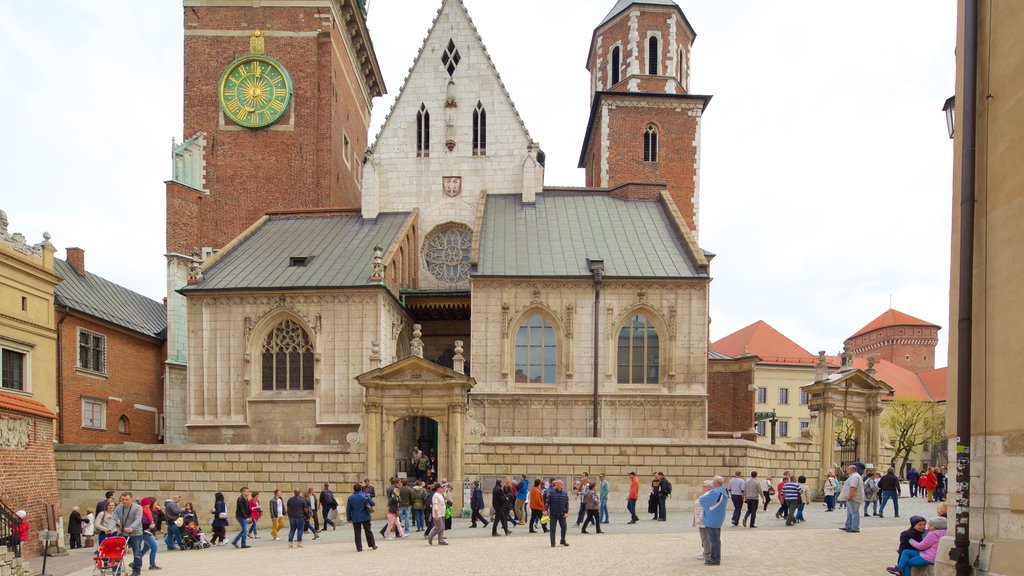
428, 287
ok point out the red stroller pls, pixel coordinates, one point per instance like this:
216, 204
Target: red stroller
110, 557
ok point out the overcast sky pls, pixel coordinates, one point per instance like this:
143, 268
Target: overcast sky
826, 169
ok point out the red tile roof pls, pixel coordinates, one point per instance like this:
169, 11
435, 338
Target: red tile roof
892, 318
935, 382
762, 340
22, 405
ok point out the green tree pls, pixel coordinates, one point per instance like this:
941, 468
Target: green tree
910, 424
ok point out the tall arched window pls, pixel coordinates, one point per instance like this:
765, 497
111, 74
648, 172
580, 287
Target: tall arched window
616, 57
651, 143
652, 55
123, 425
638, 352
479, 130
287, 358
682, 69
422, 132
536, 350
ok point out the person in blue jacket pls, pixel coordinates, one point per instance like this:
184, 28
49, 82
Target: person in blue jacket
714, 503
357, 512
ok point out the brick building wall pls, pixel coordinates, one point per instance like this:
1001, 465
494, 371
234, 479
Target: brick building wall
912, 347
731, 397
130, 384
28, 475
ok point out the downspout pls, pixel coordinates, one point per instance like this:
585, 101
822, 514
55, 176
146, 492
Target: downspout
60, 378
961, 550
596, 267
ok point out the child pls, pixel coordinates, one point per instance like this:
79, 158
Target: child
20, 535
921, 553
915, 533
805, 498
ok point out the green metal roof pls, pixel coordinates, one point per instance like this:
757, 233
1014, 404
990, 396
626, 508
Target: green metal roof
103, 299
338, 250
555, 236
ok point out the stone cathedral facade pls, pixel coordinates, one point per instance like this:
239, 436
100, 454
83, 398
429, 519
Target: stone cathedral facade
427, 287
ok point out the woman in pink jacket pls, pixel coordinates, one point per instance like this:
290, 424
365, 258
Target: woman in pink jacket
923, 552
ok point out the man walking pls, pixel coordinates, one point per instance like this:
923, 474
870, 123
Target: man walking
297, 507
499, 501
437, 508
632, 496
736, 490
891, 490
913, 477
242, 513
556, 504
328, 503
791, 491
171, 513
603, 488
128, 523
853, 494
405, 505
277, 515
714, 503
752, 496
581, 490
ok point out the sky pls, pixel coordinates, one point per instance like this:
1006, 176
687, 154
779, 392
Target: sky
825, 164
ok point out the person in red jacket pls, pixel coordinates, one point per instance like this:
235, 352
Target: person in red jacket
929, 482
20, 535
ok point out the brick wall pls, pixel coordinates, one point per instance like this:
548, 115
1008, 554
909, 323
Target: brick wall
28, 477
133, 377
731, 397
912, 347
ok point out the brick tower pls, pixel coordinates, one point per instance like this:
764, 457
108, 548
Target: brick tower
304, 151
644, 124
899, 338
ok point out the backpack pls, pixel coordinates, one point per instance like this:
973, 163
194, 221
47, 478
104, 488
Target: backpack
870, 488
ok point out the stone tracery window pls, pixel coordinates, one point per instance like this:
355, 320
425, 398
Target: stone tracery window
287, 358
651, 143
450, 58
536, 351
638, 352
446, 252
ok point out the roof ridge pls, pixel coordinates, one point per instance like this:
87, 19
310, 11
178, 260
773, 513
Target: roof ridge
416, 61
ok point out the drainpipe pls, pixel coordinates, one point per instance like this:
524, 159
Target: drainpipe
60, 378
961, 550
596, 267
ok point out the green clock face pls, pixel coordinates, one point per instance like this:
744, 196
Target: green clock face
255, 91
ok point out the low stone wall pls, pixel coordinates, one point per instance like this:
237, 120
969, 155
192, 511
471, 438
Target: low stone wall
11, 566
685, 463
197, 472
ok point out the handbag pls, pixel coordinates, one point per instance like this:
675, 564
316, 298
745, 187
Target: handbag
544, 520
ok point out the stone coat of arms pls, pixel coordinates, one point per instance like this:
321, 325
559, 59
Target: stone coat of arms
452, 185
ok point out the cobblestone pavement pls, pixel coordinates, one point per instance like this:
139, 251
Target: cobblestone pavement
666, 548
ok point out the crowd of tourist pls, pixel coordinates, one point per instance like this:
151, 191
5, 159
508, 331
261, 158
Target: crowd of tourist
418, 505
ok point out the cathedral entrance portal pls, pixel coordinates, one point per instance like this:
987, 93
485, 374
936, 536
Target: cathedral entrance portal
417, 451
414, 402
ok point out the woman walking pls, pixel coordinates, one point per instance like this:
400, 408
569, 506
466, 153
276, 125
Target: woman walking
105, 522
312, 522
149, 544
418, 494
767, 489
394, 504
256, 510
358, 512
220, 520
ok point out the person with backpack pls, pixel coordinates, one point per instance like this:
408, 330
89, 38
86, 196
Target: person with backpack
871, 492
593, 504
664, 492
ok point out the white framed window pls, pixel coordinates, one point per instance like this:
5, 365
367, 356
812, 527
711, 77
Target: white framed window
804, 397
654, 54
783, 428
762, 395
804, 425
14, 369
783, 395
536, 351
92, 351
94, 414
614, 66
638, 352
760, 427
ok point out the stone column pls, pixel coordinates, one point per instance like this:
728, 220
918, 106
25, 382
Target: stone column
873, 436
456, 425
827, 416
373, 417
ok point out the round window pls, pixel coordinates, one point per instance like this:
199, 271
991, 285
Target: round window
446, 251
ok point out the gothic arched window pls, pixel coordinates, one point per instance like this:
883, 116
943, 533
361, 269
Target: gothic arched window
652, 55
651, 143
123, 425
638, 352
446, 252
287, 358
615, 66
536, 351
422, 132
479, 130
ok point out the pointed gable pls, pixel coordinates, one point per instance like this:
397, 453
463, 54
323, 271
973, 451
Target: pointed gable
762, 340
452, 132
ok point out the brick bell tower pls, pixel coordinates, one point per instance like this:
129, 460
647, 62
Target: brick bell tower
644, 124
277, 102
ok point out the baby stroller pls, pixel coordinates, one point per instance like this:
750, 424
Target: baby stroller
110, 557
193, 538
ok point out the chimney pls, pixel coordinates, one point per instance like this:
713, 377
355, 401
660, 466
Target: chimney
76, 257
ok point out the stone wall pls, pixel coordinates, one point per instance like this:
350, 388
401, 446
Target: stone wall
11, 566
197, 472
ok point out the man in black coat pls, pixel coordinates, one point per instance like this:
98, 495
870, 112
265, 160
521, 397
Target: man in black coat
243, 514
75, 527
327, 504
499, 501
476, 504
889, 486
556, 506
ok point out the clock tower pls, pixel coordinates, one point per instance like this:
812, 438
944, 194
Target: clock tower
277, 103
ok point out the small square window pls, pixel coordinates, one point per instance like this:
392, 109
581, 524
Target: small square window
94, 414
12, 370
298, 261
804, 397
762, 395
783, 428
783, 395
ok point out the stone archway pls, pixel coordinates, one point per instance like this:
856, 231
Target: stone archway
849, 393
414, 387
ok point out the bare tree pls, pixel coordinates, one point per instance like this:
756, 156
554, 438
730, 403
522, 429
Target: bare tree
845, 431
910, 424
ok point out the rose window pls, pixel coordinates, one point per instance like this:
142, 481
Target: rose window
446, 252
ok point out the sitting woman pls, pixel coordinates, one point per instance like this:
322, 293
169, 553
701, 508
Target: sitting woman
921, 553
914, 533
